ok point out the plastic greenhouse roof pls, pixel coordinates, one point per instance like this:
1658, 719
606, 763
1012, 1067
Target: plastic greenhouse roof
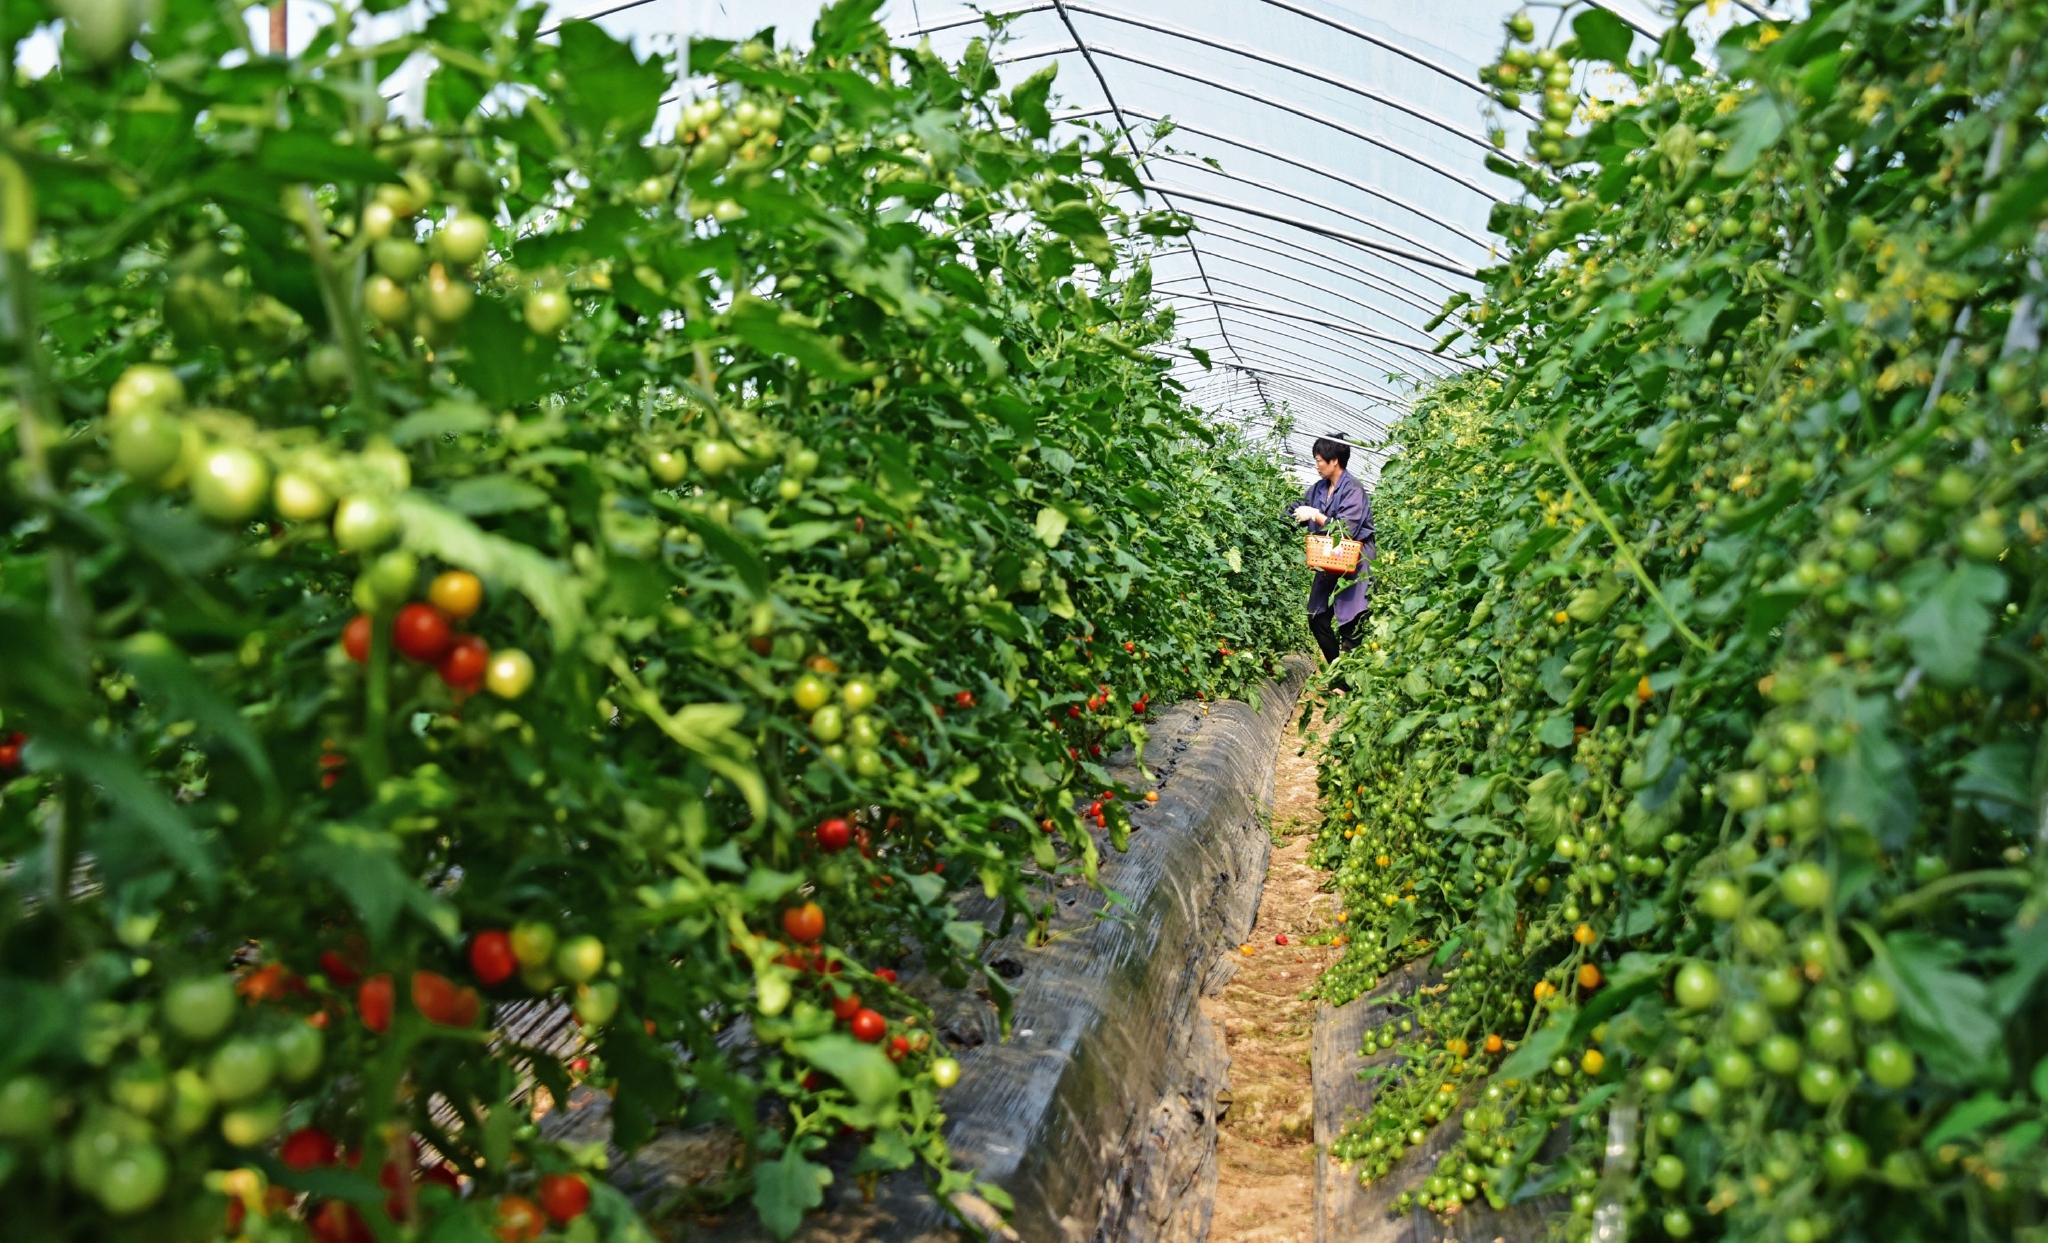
1332, 156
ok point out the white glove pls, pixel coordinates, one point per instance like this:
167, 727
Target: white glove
1304, 513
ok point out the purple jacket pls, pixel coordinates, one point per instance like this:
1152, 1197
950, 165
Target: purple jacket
1346, 502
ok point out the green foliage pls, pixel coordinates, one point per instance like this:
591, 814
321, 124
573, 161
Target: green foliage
800, 480
1699, 741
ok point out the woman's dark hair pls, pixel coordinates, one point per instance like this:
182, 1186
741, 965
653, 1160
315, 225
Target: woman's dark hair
1333, 451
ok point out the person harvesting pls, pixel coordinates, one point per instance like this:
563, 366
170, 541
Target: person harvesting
1338, 602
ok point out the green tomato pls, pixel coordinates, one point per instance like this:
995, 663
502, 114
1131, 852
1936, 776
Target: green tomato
389, 579
364, 524
1733, 1069
145, 386
597, 1003
1745, 790
200, 1009
1704, 1098
231, 484
858, 695
241, 1068
1873, 999
299, 1051
1668, 1172
868, 764
1696, 986
28, 1108
810, 693
1819, 1083
945, 1072
580, 959
463, 239
386, 300
827, 723
1902, 537
398, 259
1782, 987
1657, 1080
864, 731
1889, 1064
252, 1124
191, 1104
146, 443
1982, 538
133, 1180
1678, 1223
667, 467
1805, 885
1844, 1157
1831, 1035
100, 1138
300, 498
546, 311
141, 1088
715, 457
1780, 1054
1721, 898
1954, 488
533, 944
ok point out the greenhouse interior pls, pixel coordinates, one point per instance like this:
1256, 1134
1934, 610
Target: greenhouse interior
1285, 620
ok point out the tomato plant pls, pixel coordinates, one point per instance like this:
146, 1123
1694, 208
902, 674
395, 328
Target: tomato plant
548, 517
1706, 612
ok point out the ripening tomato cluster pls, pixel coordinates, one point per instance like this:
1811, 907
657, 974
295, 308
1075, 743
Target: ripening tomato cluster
424, 633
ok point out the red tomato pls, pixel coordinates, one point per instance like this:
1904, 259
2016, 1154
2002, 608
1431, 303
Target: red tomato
1130, 646
420, 632
441, 1001
373, 1003
869, 1026
804, 924
885, 973
336, 1222
519, 1220
1095, 808
834, 835
464, 665
442, 1174
339, 970
308, 1148
491, 957
899, 1048
964, 699
1280, 939
564, 1196
355, 640
844, 1008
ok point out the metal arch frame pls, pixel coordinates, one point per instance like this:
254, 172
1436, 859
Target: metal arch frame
1340, 325
1345, 379
1335, 344
1365, 92
1271, 354
1372, 354
1414, 57
1322, 230
1321, 288
1292, 301
1109, 97
1387, 145
1320, 171
1183, 161
1341, 388
1216, 252
1414, 297
1314, 406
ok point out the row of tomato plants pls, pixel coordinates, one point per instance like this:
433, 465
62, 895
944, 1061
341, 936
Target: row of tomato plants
1697, 752
557, 547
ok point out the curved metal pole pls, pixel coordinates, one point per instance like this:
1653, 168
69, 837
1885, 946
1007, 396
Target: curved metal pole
1283, 313
1340, 235
1366, 306
1321, 171
1175, 32
1324, 205
1109, 97
1335, 345
1277, 356
1387, 145
1365, 275
1305, 379
1389, 358
1356, 414
1366, 36
1359, 275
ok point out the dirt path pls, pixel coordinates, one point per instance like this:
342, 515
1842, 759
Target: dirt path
1266, 1149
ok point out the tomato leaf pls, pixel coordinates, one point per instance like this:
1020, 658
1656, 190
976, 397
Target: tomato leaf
1947, 1015
1945, 632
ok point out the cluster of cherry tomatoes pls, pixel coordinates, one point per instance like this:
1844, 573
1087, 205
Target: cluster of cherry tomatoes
424, 632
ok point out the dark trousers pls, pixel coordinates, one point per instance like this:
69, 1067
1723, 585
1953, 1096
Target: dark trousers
1333, 638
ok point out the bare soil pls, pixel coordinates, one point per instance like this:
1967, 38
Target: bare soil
1266, 1147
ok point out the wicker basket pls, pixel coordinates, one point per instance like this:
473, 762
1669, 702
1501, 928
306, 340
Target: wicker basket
1329, 552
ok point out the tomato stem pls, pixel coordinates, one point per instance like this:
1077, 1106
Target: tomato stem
1627, 553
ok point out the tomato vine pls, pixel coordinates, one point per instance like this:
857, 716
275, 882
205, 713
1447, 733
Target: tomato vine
1698, 751
551, 548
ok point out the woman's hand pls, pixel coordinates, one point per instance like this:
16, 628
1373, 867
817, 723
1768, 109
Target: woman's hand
1308, 513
